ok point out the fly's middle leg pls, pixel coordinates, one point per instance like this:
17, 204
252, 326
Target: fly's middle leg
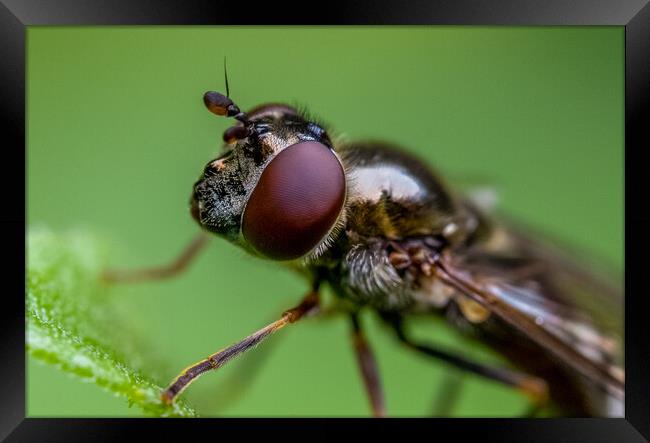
447, 397
368, 368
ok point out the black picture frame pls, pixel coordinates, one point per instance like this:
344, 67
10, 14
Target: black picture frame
634, 15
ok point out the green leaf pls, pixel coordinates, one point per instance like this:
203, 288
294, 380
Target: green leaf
72, 324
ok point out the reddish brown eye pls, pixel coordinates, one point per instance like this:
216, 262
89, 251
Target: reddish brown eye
296, 201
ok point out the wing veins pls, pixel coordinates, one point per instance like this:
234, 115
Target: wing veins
523, 323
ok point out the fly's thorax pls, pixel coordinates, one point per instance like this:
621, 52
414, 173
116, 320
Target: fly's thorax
396, 204
394, 195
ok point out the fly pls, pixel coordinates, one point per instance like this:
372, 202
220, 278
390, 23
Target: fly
385, 233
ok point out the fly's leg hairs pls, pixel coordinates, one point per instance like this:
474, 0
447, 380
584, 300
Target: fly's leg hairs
535, 388
159, 272
307, 306
368, 368
233, 389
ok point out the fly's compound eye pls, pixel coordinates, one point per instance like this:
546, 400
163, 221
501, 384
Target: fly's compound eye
296, 202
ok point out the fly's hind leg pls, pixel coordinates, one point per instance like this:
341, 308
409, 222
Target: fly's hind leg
535, 388
159, 272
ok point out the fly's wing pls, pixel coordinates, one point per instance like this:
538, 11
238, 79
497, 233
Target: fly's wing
540, 292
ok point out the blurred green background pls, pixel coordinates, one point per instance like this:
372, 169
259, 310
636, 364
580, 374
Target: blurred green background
117, 135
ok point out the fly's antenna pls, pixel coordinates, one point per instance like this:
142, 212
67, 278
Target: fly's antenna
225, 75
220, 104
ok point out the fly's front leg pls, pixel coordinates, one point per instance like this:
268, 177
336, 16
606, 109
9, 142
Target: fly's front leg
368, 368
535, 388
233, 389
159, 272
308, 305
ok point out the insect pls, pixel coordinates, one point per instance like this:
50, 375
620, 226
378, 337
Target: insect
385, 233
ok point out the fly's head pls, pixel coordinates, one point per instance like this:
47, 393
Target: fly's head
278, 190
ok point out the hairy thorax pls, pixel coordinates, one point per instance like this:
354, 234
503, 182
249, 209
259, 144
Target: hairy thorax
392, 201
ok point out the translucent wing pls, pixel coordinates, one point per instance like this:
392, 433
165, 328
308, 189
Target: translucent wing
540, 292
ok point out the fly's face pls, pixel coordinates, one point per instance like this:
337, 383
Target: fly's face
279, 188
